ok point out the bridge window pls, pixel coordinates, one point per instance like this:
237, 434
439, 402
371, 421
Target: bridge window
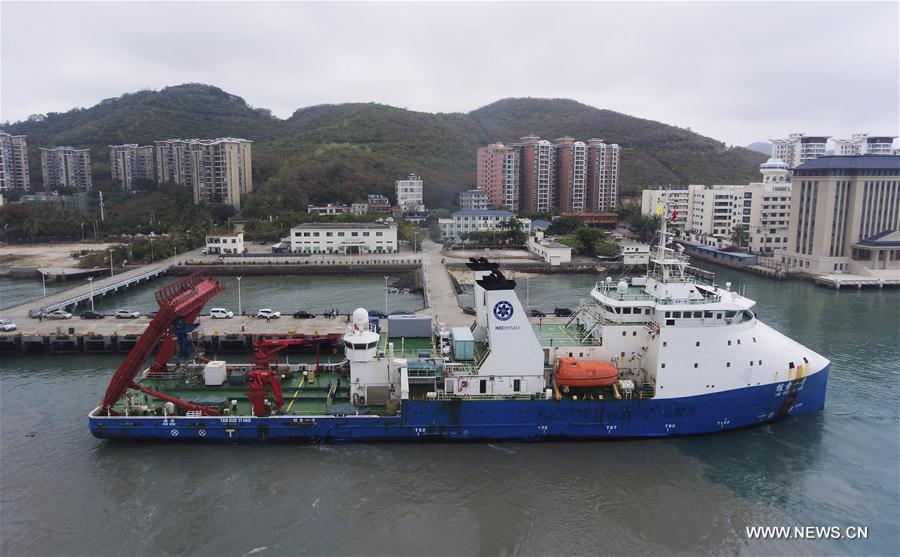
696, 365
676, 314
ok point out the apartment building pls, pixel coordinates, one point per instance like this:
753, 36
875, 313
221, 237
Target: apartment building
410, 194
571, 157
219, 170
864, 144
677, 199
14, 173
538, 181
602, 175
709, 214
498, 172
66, 167
344, 238
473, 200
799, 148
171, 160
130, 162
845, 216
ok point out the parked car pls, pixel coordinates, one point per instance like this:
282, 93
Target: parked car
303, 314
538, 313
401, 312
58, 314
220, 313
267, 313
91, 314
562, 312
7, 326
127, 314
152, 314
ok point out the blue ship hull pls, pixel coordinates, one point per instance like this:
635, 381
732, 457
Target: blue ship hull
531, 420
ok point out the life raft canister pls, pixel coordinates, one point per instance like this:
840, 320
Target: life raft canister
571, 372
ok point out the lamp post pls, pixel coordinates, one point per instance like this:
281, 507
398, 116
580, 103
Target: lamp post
111, 273
528, 293
82, 232
240, 312
91, 282
44, 284
385, 296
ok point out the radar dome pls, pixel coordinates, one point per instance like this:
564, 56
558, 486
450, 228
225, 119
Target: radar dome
360, 317
622, 287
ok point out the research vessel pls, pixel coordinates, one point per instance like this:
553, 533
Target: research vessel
662, 354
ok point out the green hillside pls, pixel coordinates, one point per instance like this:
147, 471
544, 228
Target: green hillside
342, 152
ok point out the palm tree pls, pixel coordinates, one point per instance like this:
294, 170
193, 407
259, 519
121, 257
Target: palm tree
738, 236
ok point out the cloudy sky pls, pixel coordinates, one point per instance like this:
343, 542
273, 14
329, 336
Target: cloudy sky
738, 72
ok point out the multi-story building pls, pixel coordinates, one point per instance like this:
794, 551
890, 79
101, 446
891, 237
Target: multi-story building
571, 159
130, 162
799, 148
602, 175
498, 175
845, 216
677, 199
225, 243
219, 170
473, 200
410, 194
171, 160
328, 209
863, 144
378, 204
478, 221
344, 238
66, 167
710, 214
538, 182
14, 174
359, 208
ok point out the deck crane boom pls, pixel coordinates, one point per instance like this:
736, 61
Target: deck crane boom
179, 305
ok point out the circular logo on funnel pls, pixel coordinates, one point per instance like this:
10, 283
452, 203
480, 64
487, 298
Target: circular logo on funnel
503, 310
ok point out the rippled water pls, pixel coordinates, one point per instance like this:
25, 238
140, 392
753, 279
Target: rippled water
64, 492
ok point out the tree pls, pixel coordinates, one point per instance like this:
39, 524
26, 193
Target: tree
738, 236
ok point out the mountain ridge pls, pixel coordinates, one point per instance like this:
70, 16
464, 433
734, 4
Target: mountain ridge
340, 152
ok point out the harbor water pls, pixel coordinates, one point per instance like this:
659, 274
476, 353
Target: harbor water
67, 493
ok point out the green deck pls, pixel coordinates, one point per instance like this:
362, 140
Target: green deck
560, 335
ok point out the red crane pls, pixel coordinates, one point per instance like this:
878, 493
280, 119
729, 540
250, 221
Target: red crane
179, 305
265, 352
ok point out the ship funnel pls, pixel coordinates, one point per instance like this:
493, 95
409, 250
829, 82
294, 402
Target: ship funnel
481, 268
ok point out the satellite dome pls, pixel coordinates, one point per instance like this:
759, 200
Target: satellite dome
360, 317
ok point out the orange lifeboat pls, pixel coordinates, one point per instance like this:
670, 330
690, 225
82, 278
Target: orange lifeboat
585, 373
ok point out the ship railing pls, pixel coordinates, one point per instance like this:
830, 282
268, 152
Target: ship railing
457, 396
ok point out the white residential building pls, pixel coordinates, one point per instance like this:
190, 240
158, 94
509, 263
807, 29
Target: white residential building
225, 243
711, 213
130, 162
678, 202
478, 221
66, 167
344, 238
602, 175
799, 148
473, 200
863, 144
328, 209
14, 172
410, 195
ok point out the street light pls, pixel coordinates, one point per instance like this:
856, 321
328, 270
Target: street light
44, 284
82, 232
111, 273
385, 295
91, 282
527, 293
240, 312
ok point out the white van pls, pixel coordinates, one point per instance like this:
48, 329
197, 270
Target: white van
220, 313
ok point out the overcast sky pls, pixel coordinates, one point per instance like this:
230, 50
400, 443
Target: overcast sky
738, 72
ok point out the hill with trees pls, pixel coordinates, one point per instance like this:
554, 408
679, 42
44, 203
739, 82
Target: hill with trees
342, 152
